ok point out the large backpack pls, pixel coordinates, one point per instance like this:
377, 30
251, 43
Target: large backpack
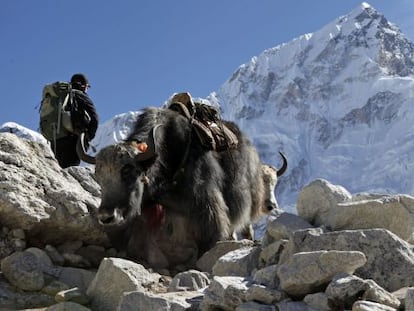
55, 111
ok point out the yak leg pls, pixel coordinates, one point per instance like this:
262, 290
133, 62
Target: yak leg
247, 232
213, 221
176, 240
155, 256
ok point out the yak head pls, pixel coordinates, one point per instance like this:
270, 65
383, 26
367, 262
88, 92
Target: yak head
121, 172
270, 176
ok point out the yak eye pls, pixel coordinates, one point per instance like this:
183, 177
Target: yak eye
129, 173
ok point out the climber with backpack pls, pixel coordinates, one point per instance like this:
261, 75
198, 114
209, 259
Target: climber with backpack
68, 119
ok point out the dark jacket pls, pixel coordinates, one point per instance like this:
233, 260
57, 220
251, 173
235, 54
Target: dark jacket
79, 119
65, 147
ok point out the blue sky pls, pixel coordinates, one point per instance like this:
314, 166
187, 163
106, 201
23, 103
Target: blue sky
136, 53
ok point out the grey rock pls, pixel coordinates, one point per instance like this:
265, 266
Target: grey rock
390, 260
267, 276
409, 299
264, 295
319, 301
225, 293
44, 200
114, 277
67, 306
330, 205
76, 277
179, 301
363, 305
209, 258
191, 280
309, 272
283, 226
23, 270
255, 306
239, 262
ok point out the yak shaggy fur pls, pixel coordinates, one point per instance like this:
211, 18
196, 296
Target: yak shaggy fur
212, 194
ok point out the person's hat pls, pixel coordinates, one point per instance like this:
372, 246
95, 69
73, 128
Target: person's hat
80, 79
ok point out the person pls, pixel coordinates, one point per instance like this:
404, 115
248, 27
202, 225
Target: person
86, 120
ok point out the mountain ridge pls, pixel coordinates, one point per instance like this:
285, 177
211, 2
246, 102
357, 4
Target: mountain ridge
333, 101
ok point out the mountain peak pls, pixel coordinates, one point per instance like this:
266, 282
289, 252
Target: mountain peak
364, 8
362, 19
325, 97
365, 5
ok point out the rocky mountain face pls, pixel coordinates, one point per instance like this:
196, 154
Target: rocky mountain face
337, 102
340, 252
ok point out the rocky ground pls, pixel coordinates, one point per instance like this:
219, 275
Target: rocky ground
340, 252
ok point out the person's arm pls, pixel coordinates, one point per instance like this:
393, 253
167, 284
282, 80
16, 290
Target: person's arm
89, 107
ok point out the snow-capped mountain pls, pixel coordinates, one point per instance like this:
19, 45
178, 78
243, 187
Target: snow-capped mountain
114, 130
337, 102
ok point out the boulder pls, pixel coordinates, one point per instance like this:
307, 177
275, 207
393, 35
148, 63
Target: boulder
240, 262
47, 202
114, 277
309, 272
390, 260
322, 203
225, 293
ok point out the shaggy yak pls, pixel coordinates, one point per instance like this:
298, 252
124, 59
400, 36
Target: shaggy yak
166, 199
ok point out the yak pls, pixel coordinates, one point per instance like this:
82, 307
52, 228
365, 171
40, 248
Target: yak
166, 199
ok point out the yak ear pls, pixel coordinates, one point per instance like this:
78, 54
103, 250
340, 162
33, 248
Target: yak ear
142, 153
147, 150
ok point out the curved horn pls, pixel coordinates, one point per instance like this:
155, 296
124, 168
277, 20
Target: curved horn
81, 150
150, 151
281, 171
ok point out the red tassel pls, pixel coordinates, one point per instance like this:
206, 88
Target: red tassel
155, 216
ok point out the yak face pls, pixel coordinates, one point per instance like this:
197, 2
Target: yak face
269, 174
122, 180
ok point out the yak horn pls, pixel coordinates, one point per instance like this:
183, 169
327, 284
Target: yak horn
81, 150
282, 170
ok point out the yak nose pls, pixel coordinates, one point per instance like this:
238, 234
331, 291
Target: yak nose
106, 217
270, 206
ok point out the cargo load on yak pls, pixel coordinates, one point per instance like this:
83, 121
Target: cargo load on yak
207, 124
